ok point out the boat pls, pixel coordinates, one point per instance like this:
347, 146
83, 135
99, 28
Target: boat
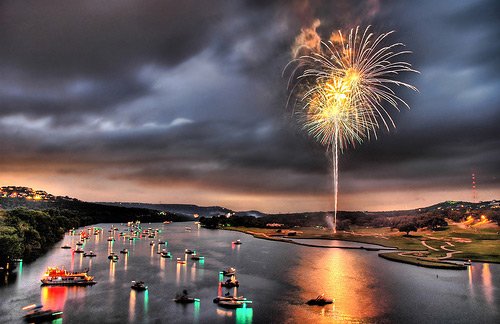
231, 303
39, 315
66, 246
237, 242
187, 251
319, 301
152, 243
124, 251
179, 261
184, 298
89, 254
165, 254
139, 286
79, 243
197, 257
230, 283
228, 298
113, 256
79, 250
229, 272
187, 228
61, 277
167, 222
468, 263
110, 239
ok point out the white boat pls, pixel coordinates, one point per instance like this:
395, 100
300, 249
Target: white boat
229, 272
231, 303
228, 298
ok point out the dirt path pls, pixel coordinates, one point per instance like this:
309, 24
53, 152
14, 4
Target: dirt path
428, 246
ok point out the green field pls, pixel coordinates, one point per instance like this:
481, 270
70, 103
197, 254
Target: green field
452, 243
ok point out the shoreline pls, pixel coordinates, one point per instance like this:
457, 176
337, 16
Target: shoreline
390, 256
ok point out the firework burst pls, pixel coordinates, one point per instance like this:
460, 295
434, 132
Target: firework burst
344, 87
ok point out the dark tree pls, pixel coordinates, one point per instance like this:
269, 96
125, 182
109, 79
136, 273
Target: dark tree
407, 228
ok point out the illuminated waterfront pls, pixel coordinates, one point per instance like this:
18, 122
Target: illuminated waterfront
277, 277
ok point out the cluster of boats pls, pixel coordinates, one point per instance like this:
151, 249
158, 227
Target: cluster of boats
227, 300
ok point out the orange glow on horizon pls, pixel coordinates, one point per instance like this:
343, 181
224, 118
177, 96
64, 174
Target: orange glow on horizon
96, 188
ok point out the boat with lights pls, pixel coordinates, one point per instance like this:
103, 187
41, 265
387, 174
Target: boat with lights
39, 315
230, 283
226, 298
184, 298
139, 286
61, 277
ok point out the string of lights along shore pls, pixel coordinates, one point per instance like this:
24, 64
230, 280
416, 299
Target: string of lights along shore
344, 90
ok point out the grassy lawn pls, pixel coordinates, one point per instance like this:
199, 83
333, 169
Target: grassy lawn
477, 244
422, 262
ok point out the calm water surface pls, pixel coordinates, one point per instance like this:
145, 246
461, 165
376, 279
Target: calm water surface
277, 277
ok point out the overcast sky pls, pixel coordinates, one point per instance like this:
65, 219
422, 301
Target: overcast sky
184, 102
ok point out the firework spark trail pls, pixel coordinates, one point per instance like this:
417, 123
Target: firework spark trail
343, 88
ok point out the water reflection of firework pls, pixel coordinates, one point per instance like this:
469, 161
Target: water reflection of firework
343, 88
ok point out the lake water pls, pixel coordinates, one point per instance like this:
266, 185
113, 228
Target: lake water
277, 277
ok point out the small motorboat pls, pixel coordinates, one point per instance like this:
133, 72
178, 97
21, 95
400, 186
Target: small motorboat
131, 238
228, 297
187, 251
187, 228
152, 243
230, 283
66, 246
468, 263
184, 298
161, 242
89, 254
124, 251
179, 261
165, 254
39, 315
110, 239
319, 301
231, 303
113, 256
79, 243
79, 250
237, 242
139, 286
229, 272
197, 257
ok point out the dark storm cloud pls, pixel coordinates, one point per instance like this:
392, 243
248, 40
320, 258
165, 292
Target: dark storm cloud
164, 92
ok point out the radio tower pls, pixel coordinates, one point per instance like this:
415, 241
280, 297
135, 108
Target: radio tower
474, 192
